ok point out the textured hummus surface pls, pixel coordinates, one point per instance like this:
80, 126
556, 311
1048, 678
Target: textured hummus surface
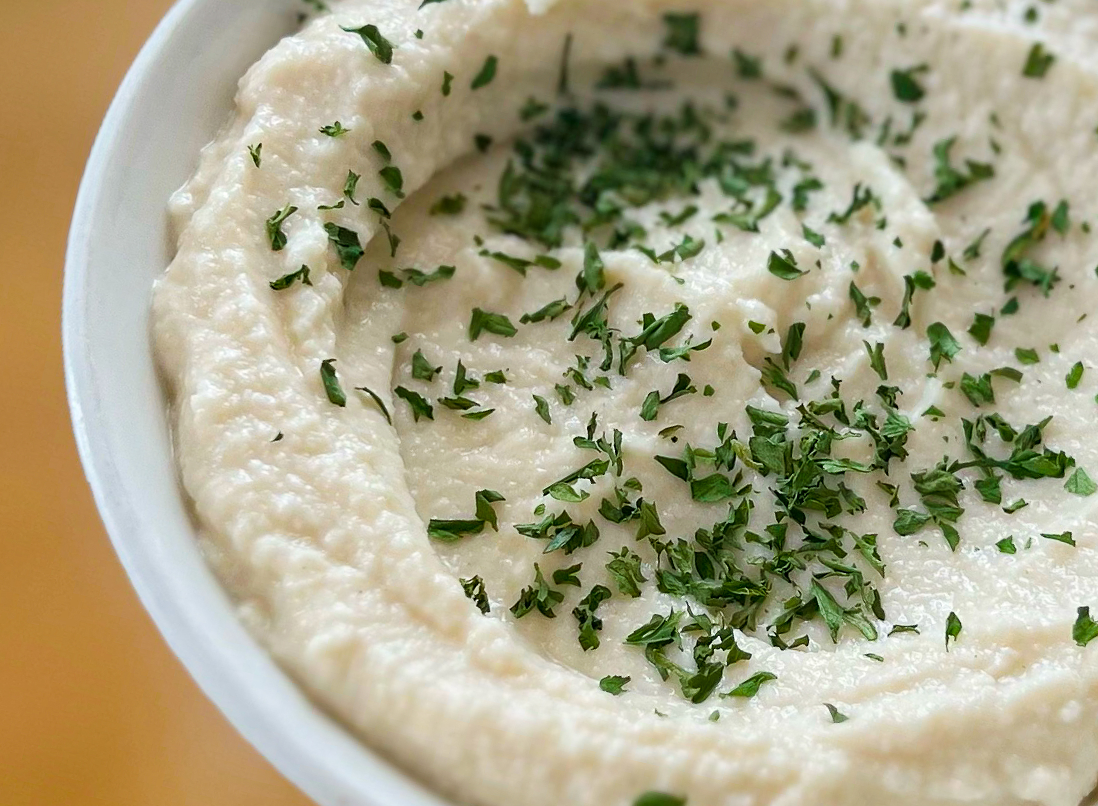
316, 515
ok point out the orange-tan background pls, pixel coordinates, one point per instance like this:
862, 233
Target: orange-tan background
93, 707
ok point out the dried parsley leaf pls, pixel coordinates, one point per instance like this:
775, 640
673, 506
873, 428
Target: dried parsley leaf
333, 130
347, 245
659, 799
381, 47
942, 344
274, 227
1085, 629
784, 266
487, 73
474, 590
953, 629
683, 33
750, 687
981, 328
1080, 483
1038, 61
284, 282
614, 684
421, 408
377, 400
422, 369
331, 383
487, 322
449, 205
541, 406
905, 86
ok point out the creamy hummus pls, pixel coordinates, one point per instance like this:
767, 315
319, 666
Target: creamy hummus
631, 401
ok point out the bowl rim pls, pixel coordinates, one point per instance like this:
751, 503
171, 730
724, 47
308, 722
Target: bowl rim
320, 756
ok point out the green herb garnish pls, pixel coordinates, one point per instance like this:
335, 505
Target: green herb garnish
381, 47
419, 405
953, 629
1081, 484
750, 687
487, 322
1038, 61
905, 85
1085, 629
784, 266
331, 383
284, 282
474, 590
347, 245
683, 33
334, 130
274, 227
614, 684
487, 73
377, 401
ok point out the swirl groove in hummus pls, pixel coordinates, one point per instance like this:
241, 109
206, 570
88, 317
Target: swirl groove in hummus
584, 399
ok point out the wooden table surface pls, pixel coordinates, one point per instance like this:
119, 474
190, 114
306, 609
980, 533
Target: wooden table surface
94, 709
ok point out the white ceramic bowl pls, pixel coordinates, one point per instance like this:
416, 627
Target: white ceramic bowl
173, 101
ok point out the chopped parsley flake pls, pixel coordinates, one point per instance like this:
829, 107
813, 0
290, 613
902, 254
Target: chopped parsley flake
1026, 355
351, 186
347, 245
393, 179
1081, 484
383, 151
334, 130
783, 266
284, 282
487, 73
1060, 537
474, 590
813, 237
877, 359
952, 181
538, 596
659, 799
981, 328
486, 322
683, 33
419, 405
942, 344
1038, 61
331, 383
953, 629
274, 227
422, 370
377, 401
905, 85
541, 406
449, 205
747, 67
750, 687
1085, 629
614, 684
381, 47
